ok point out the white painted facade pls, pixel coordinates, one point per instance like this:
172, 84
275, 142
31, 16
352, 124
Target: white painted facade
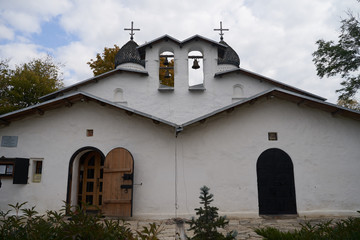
181, 140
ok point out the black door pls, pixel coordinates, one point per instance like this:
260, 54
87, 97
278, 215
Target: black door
276, 187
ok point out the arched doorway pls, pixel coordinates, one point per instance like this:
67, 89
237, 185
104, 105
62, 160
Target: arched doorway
105, 184
276, 186
76, 188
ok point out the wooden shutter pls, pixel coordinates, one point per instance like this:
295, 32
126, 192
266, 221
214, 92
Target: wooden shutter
21, 171
118, 183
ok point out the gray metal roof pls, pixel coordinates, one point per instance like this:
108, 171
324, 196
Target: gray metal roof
69, 100
159, 39
199, 37
272, 81
89, 80
129, 54
287, 95
180, 43
275, 92
228, 56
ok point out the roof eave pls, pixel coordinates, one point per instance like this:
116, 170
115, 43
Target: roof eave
156, 40
195, 37
261, 77
299, 99
68, 101
94, 79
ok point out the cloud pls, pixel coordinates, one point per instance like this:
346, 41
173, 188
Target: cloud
75, 68
27, 16
19, 53
6, 32
22, 21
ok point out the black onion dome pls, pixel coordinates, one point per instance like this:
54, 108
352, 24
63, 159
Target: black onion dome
128, 54
228, 56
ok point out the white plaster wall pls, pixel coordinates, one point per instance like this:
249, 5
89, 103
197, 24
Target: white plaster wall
180, 105
222, 154
58, 134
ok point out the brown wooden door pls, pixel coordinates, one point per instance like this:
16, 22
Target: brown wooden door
91, 181
118, 183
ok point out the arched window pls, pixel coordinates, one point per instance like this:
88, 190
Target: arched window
166, 70
238, 92
196, 70
119, 95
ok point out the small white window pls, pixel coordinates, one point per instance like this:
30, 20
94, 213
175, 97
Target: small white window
37, 169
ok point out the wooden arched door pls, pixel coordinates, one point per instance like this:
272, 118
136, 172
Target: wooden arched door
276, 186
118, 183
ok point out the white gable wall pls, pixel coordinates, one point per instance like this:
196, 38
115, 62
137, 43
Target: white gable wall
58, 134
220, 153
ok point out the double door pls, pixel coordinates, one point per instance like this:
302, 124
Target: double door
106, 185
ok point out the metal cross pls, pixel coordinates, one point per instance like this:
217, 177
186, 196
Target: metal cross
132, 29
221, 31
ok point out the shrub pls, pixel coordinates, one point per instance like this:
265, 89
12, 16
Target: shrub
346, 229
207, 224
78, 224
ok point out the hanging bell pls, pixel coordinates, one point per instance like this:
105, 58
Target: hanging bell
166, 62
167, 74
195, 64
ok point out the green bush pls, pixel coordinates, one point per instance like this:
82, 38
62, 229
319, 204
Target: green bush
346, 229
208, 222
77, 225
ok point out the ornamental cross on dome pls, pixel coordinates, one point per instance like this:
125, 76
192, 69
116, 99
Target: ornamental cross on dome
132, 29
221, 29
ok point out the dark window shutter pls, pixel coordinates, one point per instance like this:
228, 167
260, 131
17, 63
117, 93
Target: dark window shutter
21, 171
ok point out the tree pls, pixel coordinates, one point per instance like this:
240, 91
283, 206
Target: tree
349, 103
342, 58
4, 83
104, 62
208, 222
21, 87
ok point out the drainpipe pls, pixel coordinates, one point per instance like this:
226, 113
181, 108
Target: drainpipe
178, 129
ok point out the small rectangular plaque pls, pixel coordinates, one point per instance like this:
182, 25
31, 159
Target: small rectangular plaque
9, 141
37, 178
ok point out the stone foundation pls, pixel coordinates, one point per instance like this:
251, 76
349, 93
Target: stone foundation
176, 229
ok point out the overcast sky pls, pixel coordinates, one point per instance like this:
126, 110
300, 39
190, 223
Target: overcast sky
274, 38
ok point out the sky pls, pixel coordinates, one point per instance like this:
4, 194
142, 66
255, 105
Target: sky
273, 38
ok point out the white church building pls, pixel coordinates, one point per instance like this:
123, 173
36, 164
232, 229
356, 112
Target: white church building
173, 116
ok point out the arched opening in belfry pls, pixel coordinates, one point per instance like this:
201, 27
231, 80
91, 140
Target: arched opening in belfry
166, 69
196, 68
